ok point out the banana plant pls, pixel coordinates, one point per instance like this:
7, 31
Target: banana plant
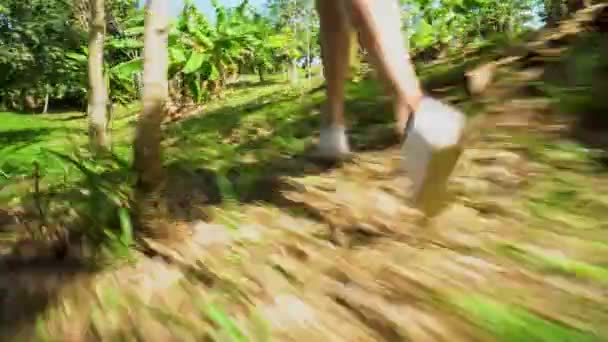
202, 55
120, 76
235, 37
268, 46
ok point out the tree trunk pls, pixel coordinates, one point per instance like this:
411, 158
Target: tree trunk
98, 92
293, 72
308, 72
138, 81
553, 9
221, 68
261, 73
577, 5
31, 103
46, 103
147, 153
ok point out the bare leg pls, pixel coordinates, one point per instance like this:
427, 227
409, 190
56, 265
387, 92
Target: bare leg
335, 43
380, 27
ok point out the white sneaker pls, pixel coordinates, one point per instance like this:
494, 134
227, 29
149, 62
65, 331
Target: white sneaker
431, 149
333, 143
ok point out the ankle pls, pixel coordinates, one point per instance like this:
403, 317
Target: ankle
333, 139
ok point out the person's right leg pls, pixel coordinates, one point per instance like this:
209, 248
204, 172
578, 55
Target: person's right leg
433, 147
379, 22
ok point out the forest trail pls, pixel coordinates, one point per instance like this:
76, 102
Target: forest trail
311, 253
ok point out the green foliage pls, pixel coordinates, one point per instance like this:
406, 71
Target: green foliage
453, 23
34, 37
582, 82
202, 54
299, 22
39, 44
103, 204
42, 50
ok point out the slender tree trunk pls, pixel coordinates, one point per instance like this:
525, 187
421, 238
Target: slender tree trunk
46, 103
261, 73
293, 71
308, 71
553, 8
98, 92
576, 5
147, 158
293, 64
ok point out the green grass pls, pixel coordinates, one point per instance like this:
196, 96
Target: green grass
23, 137
266, 121
570, 187
556, 264
560, 152
260, 123
570, 199
514, 324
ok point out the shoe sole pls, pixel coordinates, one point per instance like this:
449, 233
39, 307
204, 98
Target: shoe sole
431, 194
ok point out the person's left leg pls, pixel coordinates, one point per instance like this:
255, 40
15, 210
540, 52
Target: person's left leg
335, 43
